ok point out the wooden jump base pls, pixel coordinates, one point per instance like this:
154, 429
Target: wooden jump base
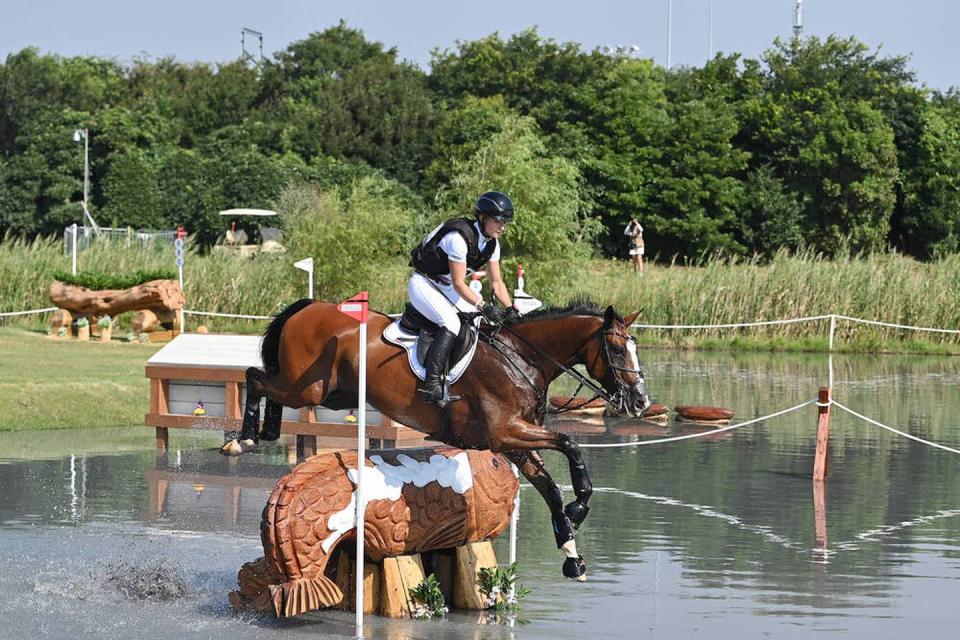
211, 369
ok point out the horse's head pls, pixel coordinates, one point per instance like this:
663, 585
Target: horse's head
612, 360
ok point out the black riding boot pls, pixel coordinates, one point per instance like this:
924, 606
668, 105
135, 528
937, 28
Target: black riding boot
432, 388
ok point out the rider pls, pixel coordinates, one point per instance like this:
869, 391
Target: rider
438, 287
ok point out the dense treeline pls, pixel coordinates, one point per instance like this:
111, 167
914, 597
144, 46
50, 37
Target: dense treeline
819, 144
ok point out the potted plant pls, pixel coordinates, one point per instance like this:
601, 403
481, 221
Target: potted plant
106, 328
83, 329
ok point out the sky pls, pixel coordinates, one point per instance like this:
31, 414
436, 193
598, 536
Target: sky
209, 30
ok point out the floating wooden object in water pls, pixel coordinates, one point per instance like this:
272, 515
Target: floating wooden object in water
703, 414
577, 405
656, 413
417, 500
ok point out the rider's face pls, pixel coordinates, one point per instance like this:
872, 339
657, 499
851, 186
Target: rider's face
493, 228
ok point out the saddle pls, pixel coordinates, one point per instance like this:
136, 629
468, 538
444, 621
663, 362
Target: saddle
414, 332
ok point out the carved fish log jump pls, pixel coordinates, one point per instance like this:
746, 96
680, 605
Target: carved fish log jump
417, 500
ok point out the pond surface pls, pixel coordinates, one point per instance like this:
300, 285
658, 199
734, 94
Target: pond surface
712, 537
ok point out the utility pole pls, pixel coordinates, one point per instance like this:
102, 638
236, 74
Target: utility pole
84, 134
669, 31
246, 55
798, 20
710, 30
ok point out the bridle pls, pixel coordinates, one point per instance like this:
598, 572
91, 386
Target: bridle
617, 399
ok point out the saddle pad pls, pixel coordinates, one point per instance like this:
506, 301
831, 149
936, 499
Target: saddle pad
408, 341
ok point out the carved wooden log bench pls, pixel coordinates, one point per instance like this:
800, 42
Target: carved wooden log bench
436, 499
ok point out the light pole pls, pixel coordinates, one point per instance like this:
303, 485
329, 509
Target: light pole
669, 31
710, 32
84, 134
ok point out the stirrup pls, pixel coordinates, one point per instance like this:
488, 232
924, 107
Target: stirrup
429, 394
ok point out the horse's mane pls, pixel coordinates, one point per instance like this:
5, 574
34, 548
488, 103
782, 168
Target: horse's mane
576, 307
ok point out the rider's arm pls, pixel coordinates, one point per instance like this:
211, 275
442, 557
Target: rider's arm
458, 274
497, 284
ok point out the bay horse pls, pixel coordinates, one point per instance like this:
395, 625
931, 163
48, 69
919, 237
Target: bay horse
310, 353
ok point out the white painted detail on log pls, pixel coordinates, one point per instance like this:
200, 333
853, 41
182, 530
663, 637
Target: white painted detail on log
385, 481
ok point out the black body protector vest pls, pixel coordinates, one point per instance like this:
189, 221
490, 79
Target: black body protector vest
429, 259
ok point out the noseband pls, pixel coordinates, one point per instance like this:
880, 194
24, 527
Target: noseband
619, 397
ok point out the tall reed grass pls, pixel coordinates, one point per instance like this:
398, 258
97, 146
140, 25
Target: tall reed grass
886, 287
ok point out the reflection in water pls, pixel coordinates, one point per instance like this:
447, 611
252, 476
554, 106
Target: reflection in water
728, 534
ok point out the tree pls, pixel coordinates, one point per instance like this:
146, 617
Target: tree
550, 226
772, 218
929, 221
816, 124
130, 191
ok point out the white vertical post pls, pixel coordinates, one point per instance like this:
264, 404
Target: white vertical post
179, 252
86, 168
669, 31
361, 463
307, 265
514, 521
710, 32
73, 247
833, 328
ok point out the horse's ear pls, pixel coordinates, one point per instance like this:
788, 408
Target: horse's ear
629, 320
609, 316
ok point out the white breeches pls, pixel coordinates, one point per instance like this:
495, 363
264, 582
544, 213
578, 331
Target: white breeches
438, 302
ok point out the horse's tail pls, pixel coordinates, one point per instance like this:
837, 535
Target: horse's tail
299, 561
270, 344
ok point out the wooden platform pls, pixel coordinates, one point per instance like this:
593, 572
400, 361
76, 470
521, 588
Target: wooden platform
211, 369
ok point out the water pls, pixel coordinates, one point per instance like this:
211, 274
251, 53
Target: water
710, 537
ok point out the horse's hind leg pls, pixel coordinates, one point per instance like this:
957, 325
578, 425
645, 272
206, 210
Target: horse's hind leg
531, 466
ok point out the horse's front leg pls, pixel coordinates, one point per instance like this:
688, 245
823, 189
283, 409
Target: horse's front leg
531, 466
526, 435
582, 487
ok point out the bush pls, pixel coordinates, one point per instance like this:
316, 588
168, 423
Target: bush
100, 281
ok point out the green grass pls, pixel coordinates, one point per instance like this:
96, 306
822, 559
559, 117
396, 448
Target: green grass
46, 383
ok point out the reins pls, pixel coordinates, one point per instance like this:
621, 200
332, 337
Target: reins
583, 380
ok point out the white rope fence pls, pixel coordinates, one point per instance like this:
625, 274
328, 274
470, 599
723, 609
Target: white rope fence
897, 326
10, 314
187, 312
732, 325
832, 317
697, 435
891, 429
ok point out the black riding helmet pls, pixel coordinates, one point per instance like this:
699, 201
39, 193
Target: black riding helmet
495, 204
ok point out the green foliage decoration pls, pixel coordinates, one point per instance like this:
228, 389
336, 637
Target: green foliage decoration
429, 599
98, 281
496, 585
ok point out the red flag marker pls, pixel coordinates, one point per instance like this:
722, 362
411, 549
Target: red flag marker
356, 307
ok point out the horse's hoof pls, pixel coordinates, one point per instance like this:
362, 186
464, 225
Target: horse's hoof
577, 512
575, 569
237, 447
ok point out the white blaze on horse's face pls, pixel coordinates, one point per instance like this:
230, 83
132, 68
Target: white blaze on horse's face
639, 388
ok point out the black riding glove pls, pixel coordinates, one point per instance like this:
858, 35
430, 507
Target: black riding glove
511, 315
492, 313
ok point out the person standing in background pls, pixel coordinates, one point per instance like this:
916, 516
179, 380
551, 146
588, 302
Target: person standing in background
634, 233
